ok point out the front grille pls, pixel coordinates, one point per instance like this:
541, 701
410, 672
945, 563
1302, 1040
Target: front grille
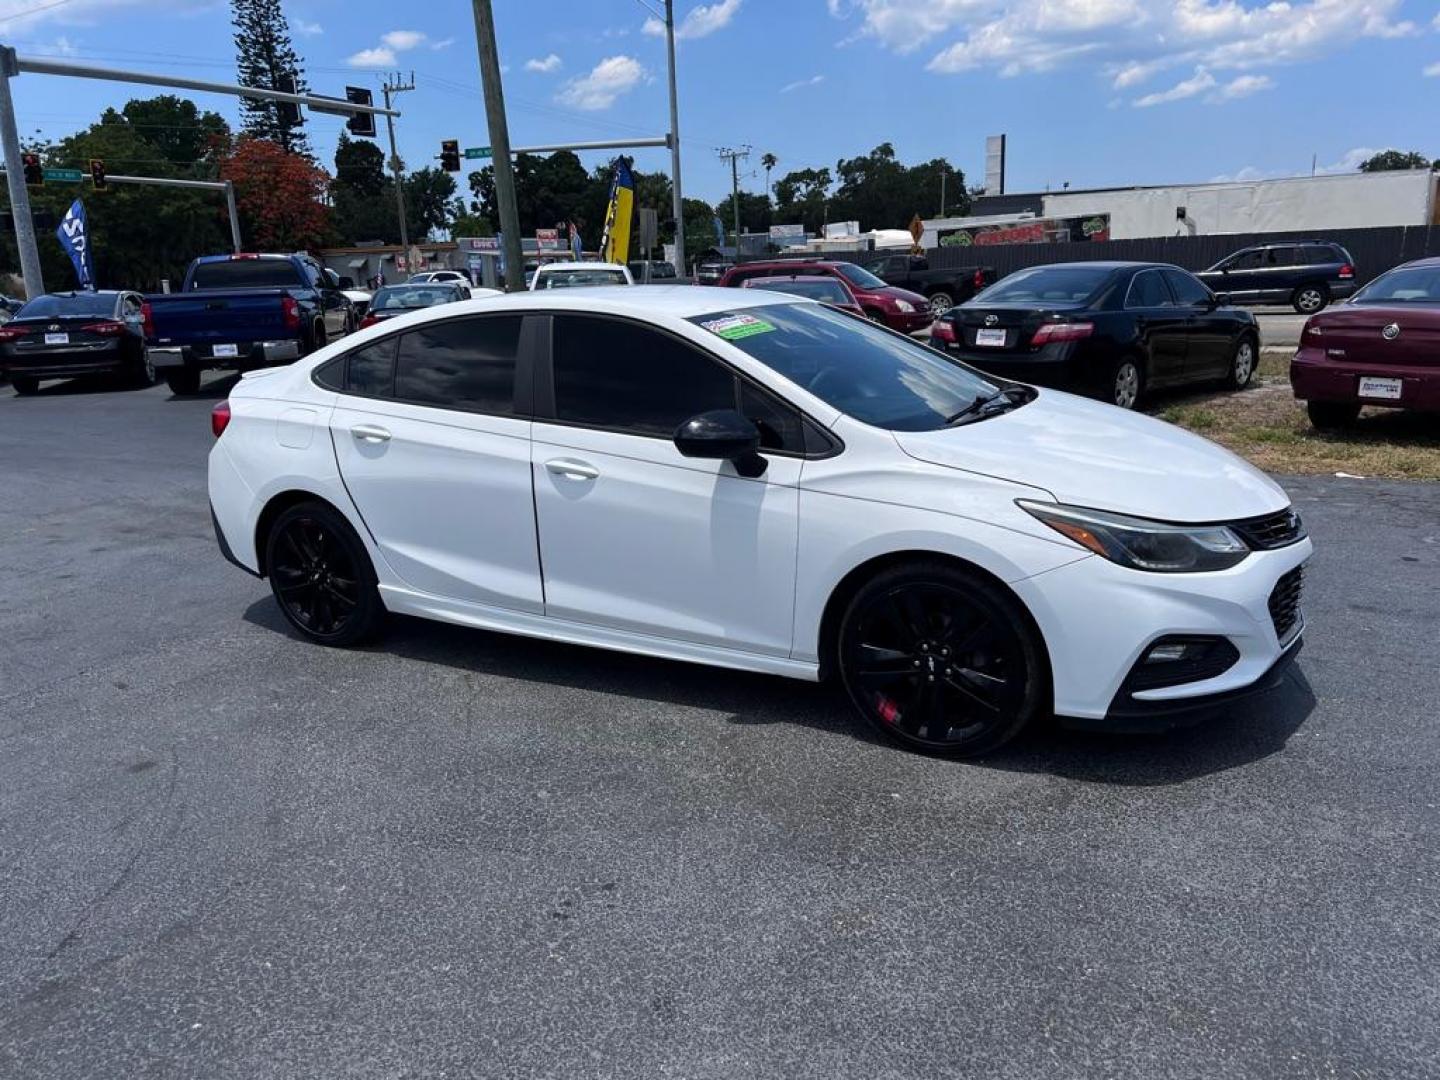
1272, 530
1285, 603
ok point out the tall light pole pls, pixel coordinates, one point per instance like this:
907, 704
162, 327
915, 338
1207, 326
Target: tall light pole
15, 179
397, 87
675, 139
499, 145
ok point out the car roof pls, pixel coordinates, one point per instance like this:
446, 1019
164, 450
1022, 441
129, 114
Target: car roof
674, 301
760, 283
68, 293
580, 266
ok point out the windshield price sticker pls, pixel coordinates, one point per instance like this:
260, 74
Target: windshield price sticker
734, 327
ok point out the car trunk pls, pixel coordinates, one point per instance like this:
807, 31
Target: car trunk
979, 327
46, 334
1359, 331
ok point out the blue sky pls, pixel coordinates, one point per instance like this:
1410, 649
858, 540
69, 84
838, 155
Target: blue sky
1094, 92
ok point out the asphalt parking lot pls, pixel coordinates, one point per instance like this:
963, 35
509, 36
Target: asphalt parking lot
229, 854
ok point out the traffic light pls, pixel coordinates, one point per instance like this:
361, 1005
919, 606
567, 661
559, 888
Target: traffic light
362, 124
450, 155
287, 112
34, 172
97, 174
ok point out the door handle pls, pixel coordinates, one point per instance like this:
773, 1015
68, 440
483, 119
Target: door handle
572, 470
370, 433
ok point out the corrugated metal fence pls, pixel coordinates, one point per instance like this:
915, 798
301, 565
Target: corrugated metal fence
1374, 250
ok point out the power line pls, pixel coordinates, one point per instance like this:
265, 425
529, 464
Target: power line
33, 11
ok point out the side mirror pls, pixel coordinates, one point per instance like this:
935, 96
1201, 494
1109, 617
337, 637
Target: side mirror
1220, 299
724, 435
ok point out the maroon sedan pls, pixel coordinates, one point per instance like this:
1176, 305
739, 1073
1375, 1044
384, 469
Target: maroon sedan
828, 290
1380, 348
899, 309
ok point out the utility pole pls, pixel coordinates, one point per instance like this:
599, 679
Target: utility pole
499, 145
675, 140
944, 170
734, 156
397, 87
15, 178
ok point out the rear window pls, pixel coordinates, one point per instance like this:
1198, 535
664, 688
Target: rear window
1407, 285
83, 305
1048, 284
859, 276
461, 364
245, 274
570, 279
410, 297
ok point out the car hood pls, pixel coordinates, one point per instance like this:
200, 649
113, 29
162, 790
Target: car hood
1086, 453
894, 292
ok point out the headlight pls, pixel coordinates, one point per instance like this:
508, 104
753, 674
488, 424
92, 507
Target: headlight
1141, 544
905, 306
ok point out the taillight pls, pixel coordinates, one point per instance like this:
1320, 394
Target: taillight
979, 279
10, 333
219, 418
369, 320
941, 330
106, 329
1347, 271
290, 310
147, 319
1062, 331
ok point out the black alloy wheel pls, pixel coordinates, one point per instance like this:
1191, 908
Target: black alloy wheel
940, 660
321, 576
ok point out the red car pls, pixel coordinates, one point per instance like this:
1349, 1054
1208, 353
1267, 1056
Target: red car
1380, 348
899, 309
828, 290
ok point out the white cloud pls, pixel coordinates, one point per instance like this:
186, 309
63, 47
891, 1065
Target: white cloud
700, 21
814, 80
611, 77
1198, 83
443, 43
1241, 87
1431, 70
1013, 37
545, 66
309, 29
1351, 160
372, 58
401, 40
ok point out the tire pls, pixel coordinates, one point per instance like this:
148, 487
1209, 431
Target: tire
183, 381
321, 576
875, 316
1242, 364
1126, 383
1309, 299
1332, 415
941, 660
940, 302
24, 385
317, 339
141, 372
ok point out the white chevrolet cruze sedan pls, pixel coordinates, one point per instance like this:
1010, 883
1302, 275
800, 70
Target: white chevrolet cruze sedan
755, 481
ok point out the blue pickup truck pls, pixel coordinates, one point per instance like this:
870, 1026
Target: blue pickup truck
243, 311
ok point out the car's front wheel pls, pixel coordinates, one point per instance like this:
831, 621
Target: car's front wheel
1242, 365
1332, 415
1309, 299
321, 576
1126, 383
940, 660
940, 302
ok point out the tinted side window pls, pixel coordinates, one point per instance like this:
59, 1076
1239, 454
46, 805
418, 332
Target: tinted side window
461, 364
371, 370
1246, 260
1147, 290
1319, 255
1281, 256
780, 426
1188, 291
618, 375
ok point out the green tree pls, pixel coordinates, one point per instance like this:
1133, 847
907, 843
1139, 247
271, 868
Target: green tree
880, 192
429, 201
359, 165
186, 138
1392, 160
768, 162
800, 197
263, 57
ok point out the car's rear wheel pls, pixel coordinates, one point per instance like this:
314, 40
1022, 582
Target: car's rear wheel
1332, 415
940, 302
183, 381
940, 660
321, 576
1242, 365
1309, 299
141, 372
24, 384
1127, 382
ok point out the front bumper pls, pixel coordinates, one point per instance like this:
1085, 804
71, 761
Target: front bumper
1315, 375
1098, 619
248, 354
907, 322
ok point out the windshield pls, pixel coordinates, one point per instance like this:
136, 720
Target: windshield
859, 276
1048, 284
879, 378
828, 290
569, 279
398, 297
81, 305
245, 274
1408, 285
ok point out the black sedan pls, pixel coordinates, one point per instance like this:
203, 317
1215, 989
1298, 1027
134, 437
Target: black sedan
61, 335
392, 300
1111, 330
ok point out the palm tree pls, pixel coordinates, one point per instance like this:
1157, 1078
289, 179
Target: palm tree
769, 161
